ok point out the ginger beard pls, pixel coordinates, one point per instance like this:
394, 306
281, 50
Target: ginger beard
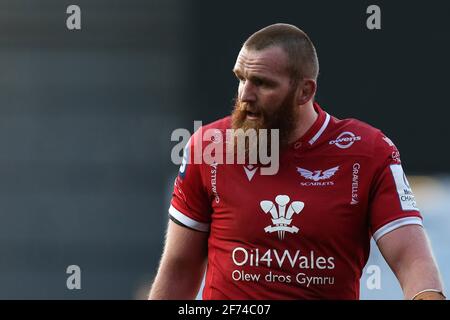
284, 118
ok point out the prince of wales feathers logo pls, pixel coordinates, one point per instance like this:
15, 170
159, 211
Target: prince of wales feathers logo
281, 218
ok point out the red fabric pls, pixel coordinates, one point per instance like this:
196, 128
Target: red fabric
325, 257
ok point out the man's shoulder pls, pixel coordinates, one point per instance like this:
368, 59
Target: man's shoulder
361, 136
213, 132
220, 124
357, 125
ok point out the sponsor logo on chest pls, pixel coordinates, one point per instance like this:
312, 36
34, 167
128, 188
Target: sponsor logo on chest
345, 140
317, 177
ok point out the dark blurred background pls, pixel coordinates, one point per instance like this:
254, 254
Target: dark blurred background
86, 117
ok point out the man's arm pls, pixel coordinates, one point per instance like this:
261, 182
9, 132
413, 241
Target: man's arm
408, 253
182, 264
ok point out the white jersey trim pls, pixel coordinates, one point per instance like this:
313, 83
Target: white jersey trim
321, 130
188, 222
391, 226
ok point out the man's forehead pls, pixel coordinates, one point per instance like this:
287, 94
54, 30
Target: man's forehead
271, 59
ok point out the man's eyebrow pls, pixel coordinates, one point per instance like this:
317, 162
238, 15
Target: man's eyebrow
238, 73
262, 78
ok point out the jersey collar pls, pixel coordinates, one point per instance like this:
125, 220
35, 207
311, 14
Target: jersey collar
316, 130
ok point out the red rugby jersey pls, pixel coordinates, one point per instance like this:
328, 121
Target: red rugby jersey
305, 232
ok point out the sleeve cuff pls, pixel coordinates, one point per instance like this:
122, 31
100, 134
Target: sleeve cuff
188, 222
391, 226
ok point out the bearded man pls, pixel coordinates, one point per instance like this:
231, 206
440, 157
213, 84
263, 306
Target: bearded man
303, 232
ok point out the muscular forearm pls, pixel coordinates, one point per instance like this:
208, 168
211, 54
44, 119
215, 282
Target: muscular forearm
408, 253
421, 275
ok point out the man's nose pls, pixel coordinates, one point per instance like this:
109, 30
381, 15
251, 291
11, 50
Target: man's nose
248, 92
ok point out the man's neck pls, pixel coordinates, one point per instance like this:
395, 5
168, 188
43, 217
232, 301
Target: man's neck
308, 115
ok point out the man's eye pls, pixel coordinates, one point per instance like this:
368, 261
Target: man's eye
258, 82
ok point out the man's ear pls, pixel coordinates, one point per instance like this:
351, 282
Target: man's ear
306, 91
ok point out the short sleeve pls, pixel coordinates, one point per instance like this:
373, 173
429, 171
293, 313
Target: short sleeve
190, 204
392, 201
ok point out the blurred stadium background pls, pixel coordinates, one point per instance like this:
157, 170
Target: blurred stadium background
86, 118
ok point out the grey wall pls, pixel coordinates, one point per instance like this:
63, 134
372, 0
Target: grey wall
85, 123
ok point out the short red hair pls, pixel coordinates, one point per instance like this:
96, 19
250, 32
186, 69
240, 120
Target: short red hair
302, 57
